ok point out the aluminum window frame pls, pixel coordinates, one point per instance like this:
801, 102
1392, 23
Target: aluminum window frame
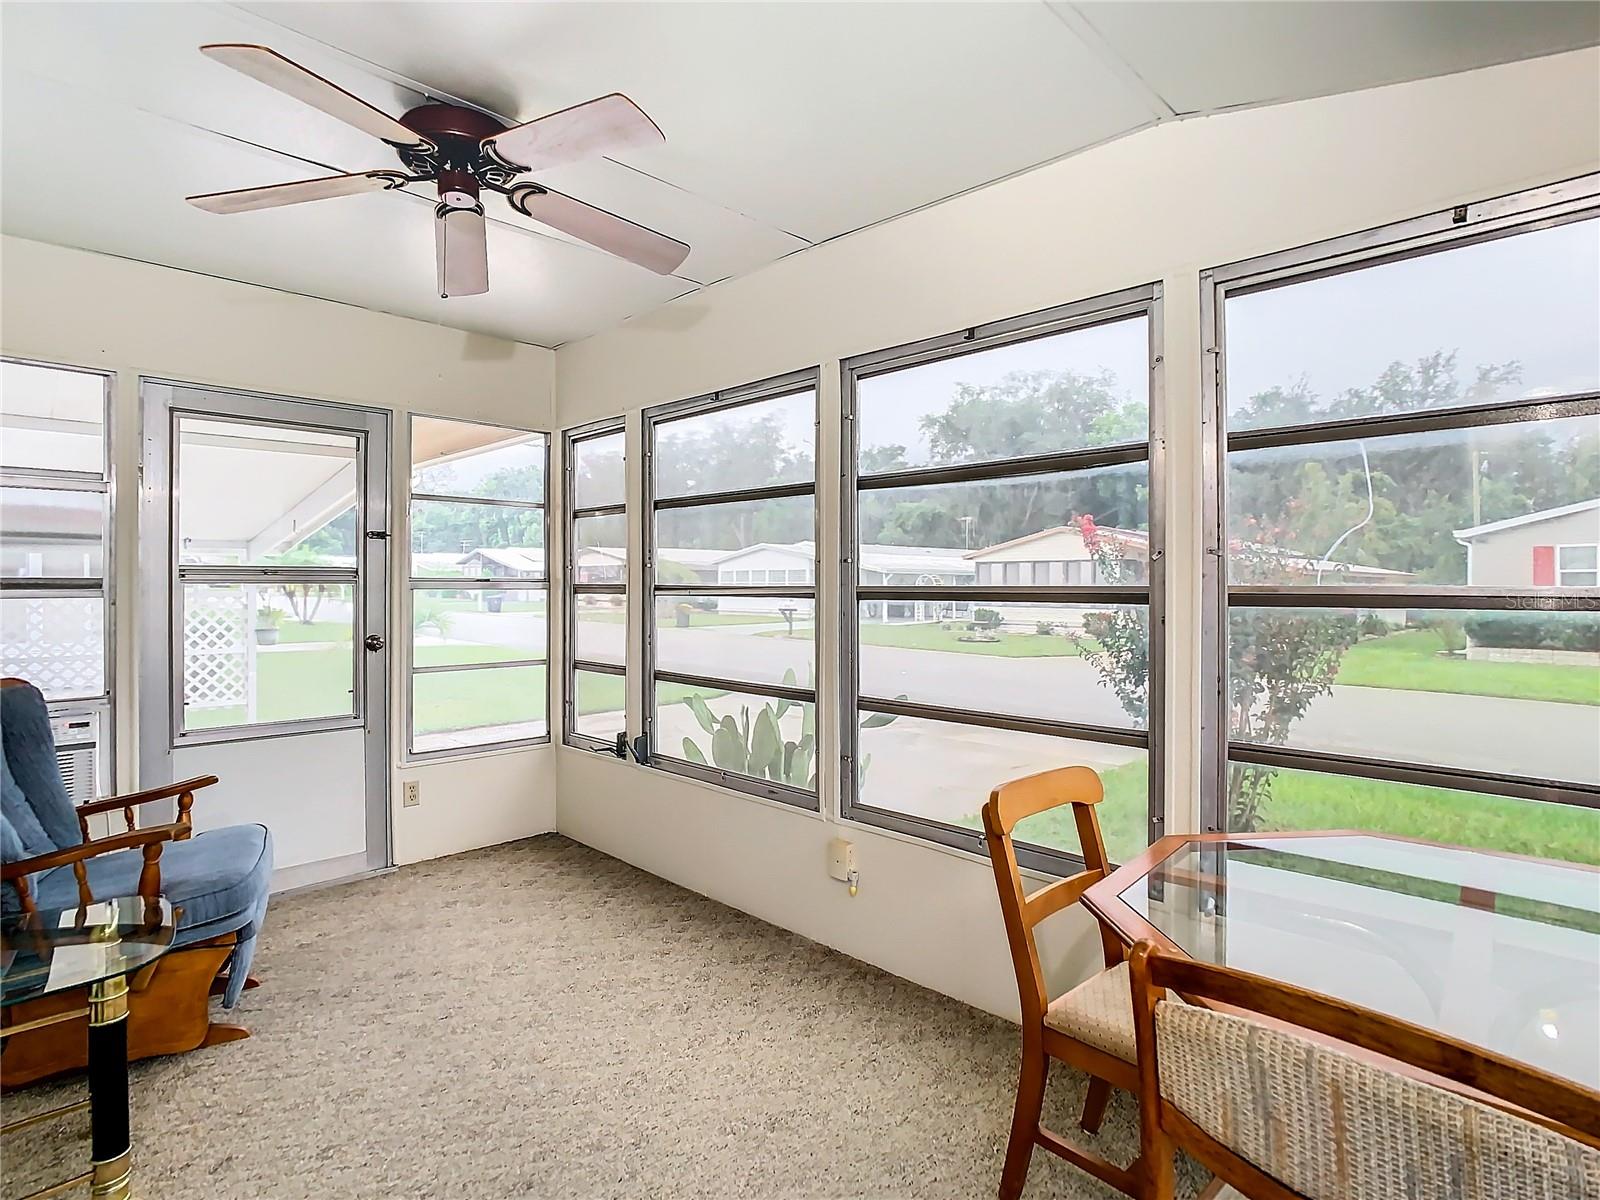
104, 482
571, 439
1141, 301
1461, 225
424, 583
772, 388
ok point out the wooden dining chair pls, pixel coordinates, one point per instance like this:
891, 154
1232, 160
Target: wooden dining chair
1288, 1095
1089, 1027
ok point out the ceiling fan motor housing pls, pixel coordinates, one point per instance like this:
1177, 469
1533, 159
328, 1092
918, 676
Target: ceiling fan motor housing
456, 158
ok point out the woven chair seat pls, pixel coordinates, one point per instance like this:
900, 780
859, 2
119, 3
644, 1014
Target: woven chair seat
1098, 1011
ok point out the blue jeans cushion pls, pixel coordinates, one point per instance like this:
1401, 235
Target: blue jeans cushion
27, 837
30, 754
10, 851
219, 879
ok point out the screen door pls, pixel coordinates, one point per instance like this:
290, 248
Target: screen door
263, 560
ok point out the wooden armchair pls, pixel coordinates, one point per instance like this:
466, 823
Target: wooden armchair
217, 883
149, 839
1090, 1027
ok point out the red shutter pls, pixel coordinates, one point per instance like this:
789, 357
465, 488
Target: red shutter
1544, 566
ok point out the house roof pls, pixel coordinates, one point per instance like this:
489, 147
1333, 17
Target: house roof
692, 557
873, 557
1126, 535
1533, 518
513, 558
940, 560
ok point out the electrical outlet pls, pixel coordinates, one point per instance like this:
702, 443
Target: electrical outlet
841, 859
410, 793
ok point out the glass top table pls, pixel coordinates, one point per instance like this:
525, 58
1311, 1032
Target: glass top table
56, 950
1499, 951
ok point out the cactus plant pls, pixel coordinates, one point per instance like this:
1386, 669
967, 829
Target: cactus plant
756, 746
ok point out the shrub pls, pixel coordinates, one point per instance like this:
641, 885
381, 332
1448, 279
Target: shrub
1535, 630
1446, 627
1372, 625
1045, 628
986, 618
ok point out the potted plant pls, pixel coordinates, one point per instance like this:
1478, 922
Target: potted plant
267, 622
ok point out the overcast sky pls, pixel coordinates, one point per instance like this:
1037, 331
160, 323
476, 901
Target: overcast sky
1534, 299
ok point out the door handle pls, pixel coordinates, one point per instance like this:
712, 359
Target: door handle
374, 642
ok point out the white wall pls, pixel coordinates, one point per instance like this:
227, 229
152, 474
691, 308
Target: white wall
90, 310
1160, 205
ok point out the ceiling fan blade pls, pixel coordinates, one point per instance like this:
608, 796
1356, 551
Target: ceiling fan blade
290, 78
611, 233
278, 194
461, 240
610, 124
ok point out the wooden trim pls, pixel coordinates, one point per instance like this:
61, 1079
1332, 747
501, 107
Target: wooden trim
1033, 794
1091, 1060
1124, 1179
1229, 1167
182, 791
1063, 893
149, 835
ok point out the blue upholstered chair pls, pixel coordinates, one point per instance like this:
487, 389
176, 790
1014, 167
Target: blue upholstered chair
217, 881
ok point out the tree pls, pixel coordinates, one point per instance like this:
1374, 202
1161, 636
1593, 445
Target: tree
1279, 660
1423, 487
1025, 413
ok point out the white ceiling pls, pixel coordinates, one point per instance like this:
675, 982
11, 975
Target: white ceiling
787, 124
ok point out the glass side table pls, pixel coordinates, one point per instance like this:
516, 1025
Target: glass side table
96, 946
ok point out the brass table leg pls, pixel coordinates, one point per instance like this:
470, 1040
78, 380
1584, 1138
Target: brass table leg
108, 1090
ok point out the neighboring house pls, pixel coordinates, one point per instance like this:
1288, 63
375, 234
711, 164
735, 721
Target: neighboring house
1059, 557
793, 564
435, 562
600, 564
509, 562
1556, 547
701, 563
895, 566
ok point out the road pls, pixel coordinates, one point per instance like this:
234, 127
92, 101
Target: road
1484, 733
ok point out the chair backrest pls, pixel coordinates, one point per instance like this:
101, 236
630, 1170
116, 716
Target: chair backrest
1322, 1100
34, 799
1016, 801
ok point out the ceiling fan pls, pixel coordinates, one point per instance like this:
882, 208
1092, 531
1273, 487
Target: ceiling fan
464, 151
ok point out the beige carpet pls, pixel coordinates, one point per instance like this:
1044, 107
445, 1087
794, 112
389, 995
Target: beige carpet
539, 1020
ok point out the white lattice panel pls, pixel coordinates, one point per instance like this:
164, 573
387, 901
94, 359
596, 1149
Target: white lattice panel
217, 659
57, 644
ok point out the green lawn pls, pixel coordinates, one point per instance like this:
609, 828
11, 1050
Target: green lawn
1311, 801
316, 683
318, 631
1411, 659
933, 635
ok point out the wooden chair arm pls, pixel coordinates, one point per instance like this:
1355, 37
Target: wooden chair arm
150, 839
183, 791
